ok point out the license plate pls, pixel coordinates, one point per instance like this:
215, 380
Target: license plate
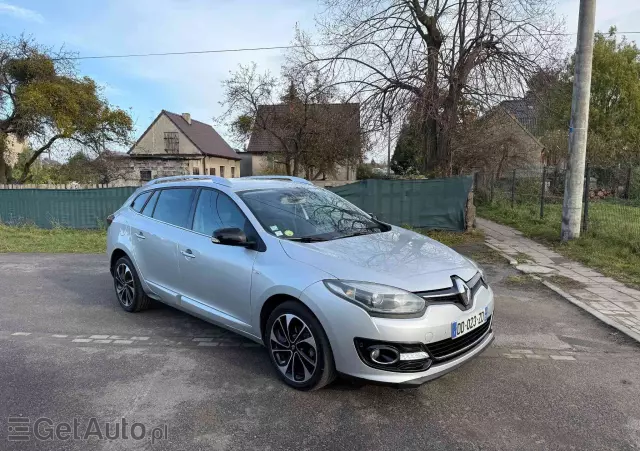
469, 323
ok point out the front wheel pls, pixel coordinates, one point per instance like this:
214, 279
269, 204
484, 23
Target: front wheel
298, 347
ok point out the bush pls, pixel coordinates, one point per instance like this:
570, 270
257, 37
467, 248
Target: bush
364, 171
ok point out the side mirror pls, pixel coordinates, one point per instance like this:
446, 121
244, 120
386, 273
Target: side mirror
232, 236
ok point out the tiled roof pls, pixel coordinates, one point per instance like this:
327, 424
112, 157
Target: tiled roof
524, 110
265, 138
204, 137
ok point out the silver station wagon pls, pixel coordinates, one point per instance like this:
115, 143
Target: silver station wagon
327, 288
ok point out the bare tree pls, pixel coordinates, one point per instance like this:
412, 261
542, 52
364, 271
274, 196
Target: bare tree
394, 54
307, 132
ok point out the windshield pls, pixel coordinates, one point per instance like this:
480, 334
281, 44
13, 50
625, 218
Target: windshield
299, 213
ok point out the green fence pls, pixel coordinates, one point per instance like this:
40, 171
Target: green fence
76, 208
433, 204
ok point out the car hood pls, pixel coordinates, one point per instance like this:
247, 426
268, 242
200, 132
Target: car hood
399, 258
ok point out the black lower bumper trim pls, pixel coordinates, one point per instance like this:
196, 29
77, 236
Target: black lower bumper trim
412, 383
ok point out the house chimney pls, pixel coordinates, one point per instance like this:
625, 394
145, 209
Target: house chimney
187, 117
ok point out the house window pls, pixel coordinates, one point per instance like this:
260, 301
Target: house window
212, 171
196, 171
145, 175
233, 171
221, 171
171, 142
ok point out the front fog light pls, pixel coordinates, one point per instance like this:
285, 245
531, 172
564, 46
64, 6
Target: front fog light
383, 355
414, 356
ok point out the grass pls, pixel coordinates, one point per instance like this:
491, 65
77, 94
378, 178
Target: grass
487, 256
521, 258
611, 245
56, 240
453, 238
27, 238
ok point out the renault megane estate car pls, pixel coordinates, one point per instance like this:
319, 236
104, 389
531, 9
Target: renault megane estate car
327, 288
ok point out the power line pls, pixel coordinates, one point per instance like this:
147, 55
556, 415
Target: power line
190, 52
254, 49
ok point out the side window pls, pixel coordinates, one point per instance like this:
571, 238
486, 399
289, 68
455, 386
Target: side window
139, 201
148, 209
206, 218
173, 206
231, 216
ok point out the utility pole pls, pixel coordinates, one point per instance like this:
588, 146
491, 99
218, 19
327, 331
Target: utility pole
574, 183
389, 145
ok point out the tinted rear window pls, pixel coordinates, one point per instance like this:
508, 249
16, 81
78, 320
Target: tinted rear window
139, 201
148, 209
173, 206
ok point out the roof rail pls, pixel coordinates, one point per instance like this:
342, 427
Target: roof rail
187, 178
289, 178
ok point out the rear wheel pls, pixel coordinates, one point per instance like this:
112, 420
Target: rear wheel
128, 288
298, 347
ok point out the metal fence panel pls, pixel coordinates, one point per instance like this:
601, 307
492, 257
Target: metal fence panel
432, 204
76, 208
611, 200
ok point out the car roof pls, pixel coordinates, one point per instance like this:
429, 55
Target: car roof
235, 184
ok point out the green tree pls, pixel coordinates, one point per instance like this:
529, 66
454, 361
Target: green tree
614, 112
406, 156
44, 99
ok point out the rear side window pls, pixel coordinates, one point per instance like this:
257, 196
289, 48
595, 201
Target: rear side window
173, 206
148, 209
139, 201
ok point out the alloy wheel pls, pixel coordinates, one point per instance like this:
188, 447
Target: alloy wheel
293, 347
125, 286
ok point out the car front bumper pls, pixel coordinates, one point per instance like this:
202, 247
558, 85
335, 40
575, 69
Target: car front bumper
344, 321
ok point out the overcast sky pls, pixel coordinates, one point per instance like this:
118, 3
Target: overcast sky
192, 83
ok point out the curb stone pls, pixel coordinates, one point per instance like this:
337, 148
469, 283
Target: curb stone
605, 319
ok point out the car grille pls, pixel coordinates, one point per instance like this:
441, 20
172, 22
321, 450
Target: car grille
449, 348
451, 296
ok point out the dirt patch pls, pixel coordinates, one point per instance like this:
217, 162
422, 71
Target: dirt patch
565, 282
480, 253
520, 280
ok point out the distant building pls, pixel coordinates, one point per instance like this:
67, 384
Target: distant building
498, 142
175, 144
524, 111
14, 147
266, 140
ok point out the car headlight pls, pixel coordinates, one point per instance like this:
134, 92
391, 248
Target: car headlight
377, 299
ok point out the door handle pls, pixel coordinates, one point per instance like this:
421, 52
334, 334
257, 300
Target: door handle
141, 236
188, 253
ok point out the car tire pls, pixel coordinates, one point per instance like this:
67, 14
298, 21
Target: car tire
298, 347
126, 282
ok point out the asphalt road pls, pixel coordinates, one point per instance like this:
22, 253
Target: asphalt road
555, 378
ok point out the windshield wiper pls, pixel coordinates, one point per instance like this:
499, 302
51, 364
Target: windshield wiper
359, 233
307, 239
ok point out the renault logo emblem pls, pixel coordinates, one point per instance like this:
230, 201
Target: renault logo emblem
463, 290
